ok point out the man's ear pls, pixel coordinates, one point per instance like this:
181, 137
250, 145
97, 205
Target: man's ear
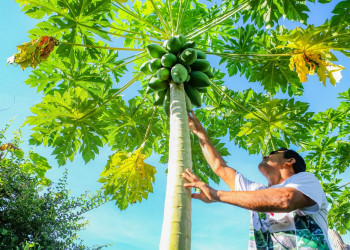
291, 161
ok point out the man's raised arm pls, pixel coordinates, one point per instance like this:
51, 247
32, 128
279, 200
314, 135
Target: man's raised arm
214, 159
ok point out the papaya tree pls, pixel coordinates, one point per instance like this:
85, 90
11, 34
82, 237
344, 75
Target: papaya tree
82, 50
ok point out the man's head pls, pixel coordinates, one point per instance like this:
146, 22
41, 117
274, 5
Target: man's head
299, 164
282, 159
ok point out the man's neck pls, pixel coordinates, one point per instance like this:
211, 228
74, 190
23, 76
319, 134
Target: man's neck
280, 177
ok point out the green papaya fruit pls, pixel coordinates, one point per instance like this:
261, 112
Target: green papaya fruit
188, 78
179, 73
189, 44
202, 90
188, 104
149, 90
168, 60
188, 69
166, 103
201, 65
174, 45
154, 65
156, 50
144, 68
199, 79
209, 73
159, 97
201, 54
194, 95
188, 56
163, 74
158, 84
182, 39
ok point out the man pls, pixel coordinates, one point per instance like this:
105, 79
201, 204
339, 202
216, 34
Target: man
290, 213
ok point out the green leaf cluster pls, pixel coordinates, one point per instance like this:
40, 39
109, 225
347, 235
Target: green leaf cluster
69, 20
260, 57
257, 122
127, 178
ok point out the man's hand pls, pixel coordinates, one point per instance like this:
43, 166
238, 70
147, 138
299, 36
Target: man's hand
207, 194
195, 126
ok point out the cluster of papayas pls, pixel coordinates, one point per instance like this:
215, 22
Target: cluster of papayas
179, 61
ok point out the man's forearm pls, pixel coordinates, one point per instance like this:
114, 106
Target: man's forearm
210, 153
267, 200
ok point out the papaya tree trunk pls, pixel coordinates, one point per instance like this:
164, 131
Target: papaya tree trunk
176, 230
337, 241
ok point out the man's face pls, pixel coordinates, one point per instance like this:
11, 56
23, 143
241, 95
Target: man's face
274, 160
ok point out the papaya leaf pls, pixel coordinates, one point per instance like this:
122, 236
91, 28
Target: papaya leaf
259, 123
272, 72
127, 178
59, 122
32, 53
274, 76
341, 13
69, 21
268, 13
60, 74
327, 150
127, 124
340, 207
312, 51
138, 24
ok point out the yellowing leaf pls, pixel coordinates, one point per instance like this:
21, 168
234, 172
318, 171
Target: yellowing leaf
312, 53
308, 62
127, 178
147, 8
32, 53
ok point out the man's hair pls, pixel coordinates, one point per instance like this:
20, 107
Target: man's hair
299, 165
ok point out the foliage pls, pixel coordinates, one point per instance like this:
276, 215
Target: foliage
313, 46
82, 110
128, 178
36, 213
328, 156
34, 52
340, 206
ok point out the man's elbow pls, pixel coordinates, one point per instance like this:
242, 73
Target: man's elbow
289, 203
294, 200
219, 168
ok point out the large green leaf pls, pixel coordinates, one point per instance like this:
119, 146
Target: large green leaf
260, 59
69, 20
258, 123
59, 122
328, 149
79, 69
127, 124
340, 209
127, 178
341, 13
267, 13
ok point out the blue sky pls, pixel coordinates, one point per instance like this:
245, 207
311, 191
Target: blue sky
214, 226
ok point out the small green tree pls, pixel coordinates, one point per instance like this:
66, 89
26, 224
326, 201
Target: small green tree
35, 213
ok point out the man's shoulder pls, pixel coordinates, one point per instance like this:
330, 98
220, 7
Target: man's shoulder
305, 181
303, 175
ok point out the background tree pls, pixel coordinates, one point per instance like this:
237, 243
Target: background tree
82, 110
35, 213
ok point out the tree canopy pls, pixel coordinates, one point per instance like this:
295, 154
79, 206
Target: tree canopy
82, 108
